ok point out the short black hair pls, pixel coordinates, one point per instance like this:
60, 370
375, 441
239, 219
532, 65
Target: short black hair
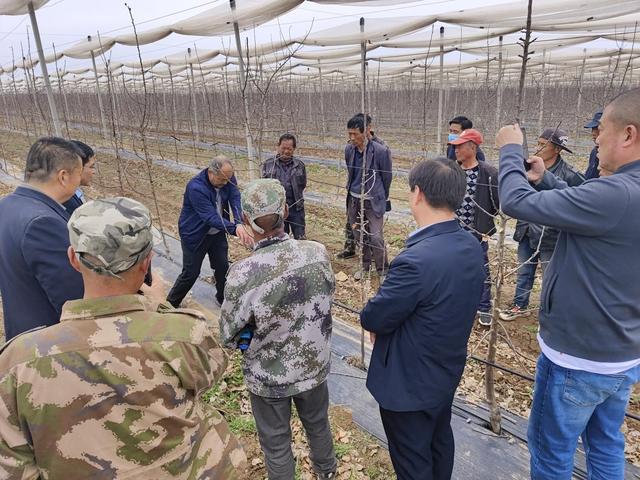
441, 181
464, 122
49, 155
86, 152
288, 136
357, 121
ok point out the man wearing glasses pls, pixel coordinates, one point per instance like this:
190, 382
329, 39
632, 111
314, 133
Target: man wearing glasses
204, 224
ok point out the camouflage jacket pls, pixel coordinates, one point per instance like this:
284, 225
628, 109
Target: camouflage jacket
114, 391
285, 291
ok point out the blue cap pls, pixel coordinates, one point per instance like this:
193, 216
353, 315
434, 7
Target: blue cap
595, 121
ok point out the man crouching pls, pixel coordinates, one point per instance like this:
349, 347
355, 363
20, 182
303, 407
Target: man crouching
281, 297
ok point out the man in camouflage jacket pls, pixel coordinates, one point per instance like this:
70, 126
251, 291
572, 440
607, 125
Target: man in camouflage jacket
283, 293
114, 390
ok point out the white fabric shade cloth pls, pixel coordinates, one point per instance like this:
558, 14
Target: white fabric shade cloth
474, 32
19, 7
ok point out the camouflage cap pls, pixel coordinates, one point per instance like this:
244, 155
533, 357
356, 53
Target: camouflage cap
263, 197
114, 232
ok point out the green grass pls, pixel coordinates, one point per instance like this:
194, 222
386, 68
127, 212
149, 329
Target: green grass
242, 424
342, 449
227, 399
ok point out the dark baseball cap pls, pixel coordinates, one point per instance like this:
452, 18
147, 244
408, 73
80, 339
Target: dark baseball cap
595, 121
558, 137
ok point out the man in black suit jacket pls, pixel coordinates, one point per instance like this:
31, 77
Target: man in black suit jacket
35, 275
420, 321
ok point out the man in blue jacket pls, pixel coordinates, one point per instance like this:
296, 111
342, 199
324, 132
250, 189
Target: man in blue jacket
369, 175
590, 314
204, 224
36, 278
420, 321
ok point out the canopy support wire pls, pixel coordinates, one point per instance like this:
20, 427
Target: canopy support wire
542, 88
499, 90
361, 222
253, 173
45, 72
192, 87
105, 130
580, 85
441, 92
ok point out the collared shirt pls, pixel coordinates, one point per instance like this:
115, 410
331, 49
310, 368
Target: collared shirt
265, 242
80, 195
114, 391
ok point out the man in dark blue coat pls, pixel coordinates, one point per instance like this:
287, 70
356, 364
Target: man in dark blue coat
420, 321
204, 224
35, 275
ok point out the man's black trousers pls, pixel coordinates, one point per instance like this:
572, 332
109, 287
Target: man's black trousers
420, 443
295, 223
217, 248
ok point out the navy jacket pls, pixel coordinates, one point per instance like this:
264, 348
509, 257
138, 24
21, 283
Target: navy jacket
36, 277
378, 183
592, 170
422, 317
589, 305
199, 213
71, 204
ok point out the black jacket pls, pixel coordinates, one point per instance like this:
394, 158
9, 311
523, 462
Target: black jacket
271, 169
486, 199
531, 232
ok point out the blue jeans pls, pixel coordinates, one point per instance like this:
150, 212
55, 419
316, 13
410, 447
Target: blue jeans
485, 299
527, 270
568, 404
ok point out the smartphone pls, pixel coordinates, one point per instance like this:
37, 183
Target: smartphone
525, 147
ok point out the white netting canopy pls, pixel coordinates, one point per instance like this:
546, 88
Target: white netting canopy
469, 36
19, 7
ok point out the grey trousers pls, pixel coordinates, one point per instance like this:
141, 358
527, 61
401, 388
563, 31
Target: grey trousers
373, 238
273, 421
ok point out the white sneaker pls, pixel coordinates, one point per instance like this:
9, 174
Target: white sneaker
512, 313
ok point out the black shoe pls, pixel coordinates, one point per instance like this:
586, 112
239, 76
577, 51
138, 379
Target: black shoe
346, 254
